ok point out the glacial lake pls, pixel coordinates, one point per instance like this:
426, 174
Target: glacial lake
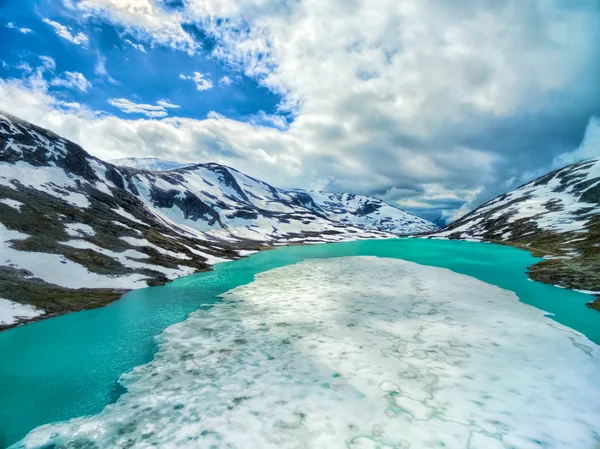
69, 366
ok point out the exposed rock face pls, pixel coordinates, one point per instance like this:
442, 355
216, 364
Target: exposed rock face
556, 216
75, 231
364, 212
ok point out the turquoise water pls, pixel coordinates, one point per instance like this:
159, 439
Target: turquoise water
68, 366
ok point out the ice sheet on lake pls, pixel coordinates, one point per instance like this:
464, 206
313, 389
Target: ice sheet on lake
356, 353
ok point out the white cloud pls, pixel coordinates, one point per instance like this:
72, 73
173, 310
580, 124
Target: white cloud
167, 104
65, 32
202, 83
138, 47
100, 69
68, 105
214, 115
153, 111
48, 63
144, 18
270, 119
589, 148
12, 26
252, 149
72, 80
225, 81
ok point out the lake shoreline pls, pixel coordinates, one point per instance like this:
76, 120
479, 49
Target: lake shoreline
561, 275
550, 271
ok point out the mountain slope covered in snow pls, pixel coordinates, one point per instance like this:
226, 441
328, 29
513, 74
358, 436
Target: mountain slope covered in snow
76, 232
360, 211
367, 212
556, 216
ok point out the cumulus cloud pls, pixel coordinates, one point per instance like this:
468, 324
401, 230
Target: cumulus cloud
12, 26
65, 32
202, 83
434, 105
72, 80
153, 111
144, 18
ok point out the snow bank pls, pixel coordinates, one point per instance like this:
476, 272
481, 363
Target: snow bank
11, 312
11, 203
58, 270
356, 352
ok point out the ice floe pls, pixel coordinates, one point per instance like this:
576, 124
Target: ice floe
357, 352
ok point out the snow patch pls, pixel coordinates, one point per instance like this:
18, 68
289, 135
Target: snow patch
123, 213
51, 180
12, 312
79, 229
58, 270
11, 203
143, 242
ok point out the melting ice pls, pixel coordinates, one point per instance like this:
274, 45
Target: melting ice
357, 353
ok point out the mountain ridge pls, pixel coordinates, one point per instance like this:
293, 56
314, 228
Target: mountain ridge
328, 204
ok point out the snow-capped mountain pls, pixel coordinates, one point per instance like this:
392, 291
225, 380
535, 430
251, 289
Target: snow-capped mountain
359, 211
74, 228
556, 216
565, 200
366, 212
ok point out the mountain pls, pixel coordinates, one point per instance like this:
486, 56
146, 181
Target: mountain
366, 212
556, 216
77, 232
360, 211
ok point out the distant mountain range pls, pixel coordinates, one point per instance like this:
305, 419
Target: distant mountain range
76, 232
363, 212
556, 216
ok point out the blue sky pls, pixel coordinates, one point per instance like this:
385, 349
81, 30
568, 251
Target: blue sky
118, 65
431, 105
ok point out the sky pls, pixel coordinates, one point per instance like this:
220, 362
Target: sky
435, 106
